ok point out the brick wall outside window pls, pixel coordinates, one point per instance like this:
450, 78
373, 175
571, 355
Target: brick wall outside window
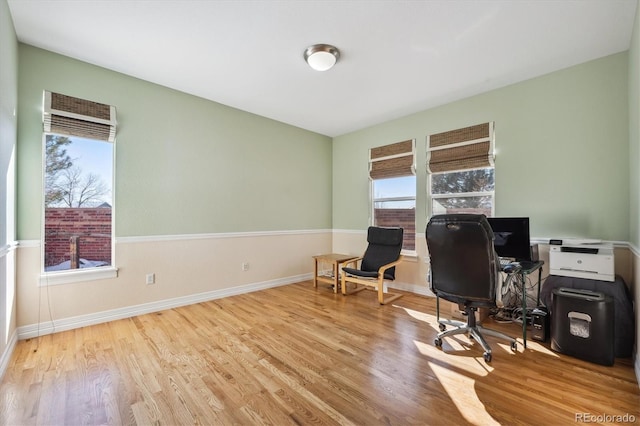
91, 225
404, 218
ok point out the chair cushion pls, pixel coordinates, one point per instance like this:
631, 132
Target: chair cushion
369, 274
385, 245
359, 273
385, 236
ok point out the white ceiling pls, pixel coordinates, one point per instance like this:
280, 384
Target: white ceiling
397, 57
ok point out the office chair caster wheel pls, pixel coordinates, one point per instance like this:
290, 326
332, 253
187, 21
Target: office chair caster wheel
487, 356
438, 342
514, 346
442, 327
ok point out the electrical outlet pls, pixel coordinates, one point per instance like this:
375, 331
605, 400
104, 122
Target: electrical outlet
151, 279
245, 266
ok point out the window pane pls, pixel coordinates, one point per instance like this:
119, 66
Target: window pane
404, 186
481, 180
449, 205
402, 217
78, 199
396, 213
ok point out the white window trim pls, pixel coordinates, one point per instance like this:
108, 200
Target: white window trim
383, 199
464, 194
70, 276
411, 254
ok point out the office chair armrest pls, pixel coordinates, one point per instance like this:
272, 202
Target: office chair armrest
389, 265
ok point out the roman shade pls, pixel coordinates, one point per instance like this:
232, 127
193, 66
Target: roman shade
70, 116
462, 149
394, 160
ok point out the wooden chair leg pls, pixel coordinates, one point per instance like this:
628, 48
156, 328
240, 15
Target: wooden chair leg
390, 296
373, 286
381, 291
356, 289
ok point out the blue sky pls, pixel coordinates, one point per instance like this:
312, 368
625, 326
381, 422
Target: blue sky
93, 157
395, 187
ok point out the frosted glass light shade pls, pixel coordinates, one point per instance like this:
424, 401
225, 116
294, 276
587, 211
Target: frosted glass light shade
321, 57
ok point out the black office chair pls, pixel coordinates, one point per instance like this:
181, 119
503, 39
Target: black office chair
377, 264
465, 269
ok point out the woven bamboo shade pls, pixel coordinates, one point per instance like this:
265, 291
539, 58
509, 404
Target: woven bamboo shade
393, 160
461, 149
70, 116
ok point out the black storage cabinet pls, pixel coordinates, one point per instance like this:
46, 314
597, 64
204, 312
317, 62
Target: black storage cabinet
582, 325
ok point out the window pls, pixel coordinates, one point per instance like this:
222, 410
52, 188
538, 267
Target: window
393, 188
461, 170
78, 184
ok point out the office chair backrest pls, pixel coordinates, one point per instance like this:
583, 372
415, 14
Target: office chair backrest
464, 265
385, 245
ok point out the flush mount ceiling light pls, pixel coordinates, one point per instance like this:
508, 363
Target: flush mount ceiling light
321, 57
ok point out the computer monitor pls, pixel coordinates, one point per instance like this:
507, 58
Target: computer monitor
511, 237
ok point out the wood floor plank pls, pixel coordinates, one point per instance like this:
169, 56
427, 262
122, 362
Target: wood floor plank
296, 355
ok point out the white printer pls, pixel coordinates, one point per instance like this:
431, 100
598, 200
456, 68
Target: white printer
590, 259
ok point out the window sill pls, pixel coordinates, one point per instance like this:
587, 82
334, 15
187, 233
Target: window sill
69, 277
410, 255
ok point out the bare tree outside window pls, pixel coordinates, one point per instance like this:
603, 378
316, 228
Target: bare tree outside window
56, 161
79, 189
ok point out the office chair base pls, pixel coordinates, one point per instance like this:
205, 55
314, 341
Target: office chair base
475, 332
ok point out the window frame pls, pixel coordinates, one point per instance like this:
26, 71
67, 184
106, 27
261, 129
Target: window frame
431, 196
69, 276
465, 137
373, 200
404, 252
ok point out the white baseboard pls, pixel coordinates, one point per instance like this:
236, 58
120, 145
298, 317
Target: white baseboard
34, 330
8, 352
48, 327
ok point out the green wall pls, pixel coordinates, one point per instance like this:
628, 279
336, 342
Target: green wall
561, 152
634, 133
8, 137
184, 165
187, 165
8, 109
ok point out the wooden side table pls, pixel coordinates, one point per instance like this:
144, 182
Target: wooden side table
336, 259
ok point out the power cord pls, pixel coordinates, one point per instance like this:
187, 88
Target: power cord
512, 297
46, 279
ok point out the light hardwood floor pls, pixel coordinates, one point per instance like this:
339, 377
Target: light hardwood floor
299, 355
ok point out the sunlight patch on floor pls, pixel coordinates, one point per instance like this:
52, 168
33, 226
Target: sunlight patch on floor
462, 392
533, 345
422, 316
430, 350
